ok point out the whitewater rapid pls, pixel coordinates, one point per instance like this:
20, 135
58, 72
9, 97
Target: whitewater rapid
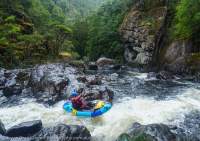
134, 102
140, 109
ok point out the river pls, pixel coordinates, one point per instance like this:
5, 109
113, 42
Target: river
137, 99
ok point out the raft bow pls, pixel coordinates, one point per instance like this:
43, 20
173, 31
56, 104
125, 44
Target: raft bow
87, 113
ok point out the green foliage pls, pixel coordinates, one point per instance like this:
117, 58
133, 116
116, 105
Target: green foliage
187, 20
103, 35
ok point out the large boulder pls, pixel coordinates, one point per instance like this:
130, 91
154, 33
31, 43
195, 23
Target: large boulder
99, 94
64, 132
175, 59
177, 49
2, 128
104, 62
49, 81
12, 90
164, 75
152, 132
12, 82
25, 129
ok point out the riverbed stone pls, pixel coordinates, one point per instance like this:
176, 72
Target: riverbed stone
151, 132
12, 90
63, 132
104, 61
25, 129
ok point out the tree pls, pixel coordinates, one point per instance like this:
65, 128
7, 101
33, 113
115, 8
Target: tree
187, 21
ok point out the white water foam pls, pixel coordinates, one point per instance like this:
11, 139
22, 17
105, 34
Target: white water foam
116, 121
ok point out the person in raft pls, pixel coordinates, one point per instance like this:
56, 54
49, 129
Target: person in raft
78, 101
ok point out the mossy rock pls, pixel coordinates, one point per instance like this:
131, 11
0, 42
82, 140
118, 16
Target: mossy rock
139, 137
193, 61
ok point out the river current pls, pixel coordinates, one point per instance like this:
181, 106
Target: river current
137, 99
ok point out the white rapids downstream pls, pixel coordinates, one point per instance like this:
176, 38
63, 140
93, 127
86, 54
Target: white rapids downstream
142, 109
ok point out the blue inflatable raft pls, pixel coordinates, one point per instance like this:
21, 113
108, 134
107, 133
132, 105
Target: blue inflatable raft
87, 113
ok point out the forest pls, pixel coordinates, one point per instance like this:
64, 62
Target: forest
40, 30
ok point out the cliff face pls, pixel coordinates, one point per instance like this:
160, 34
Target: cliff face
146, 40
140, 29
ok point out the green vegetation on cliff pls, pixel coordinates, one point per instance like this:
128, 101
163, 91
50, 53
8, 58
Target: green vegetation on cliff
104, 38
187, 20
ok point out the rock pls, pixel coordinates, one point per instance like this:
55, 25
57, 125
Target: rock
82, 79
23, 76
49, 81
104, 61
130, 55
64, 132
152, 132
13, 90
164, 75
177, 49
176, 57
3, 138
143, 59
104, 94
116, 67
25, 129
2, 128
92, 66
95, 81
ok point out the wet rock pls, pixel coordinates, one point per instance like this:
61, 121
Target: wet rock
152, 132
95, 81
64, 132
104, 61
12, 90
25, 129
82, 79
49, 81
164, 75
22, 77
2, 128
92, 66
104, 94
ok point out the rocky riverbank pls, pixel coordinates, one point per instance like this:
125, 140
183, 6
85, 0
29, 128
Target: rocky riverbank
156, 100
33, 130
